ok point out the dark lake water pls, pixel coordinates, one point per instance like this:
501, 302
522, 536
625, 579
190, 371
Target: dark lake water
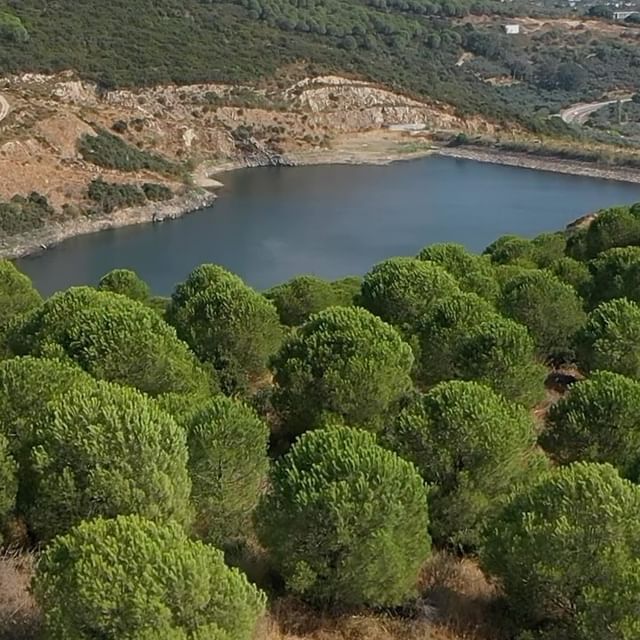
272, 223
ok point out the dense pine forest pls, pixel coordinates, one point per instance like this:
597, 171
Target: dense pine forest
455, 51
180, 466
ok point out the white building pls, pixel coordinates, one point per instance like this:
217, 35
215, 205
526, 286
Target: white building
512, 29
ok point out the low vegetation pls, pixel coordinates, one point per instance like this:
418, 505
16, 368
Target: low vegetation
446, 446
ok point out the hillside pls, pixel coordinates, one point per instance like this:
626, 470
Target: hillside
416, 46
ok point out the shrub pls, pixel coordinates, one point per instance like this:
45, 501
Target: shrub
27, 385
301, 297
615, 274
473, 273
345, 520
500, 354
17, 297
613, 227
548, 248
400, 290
131, 578
610, 339
550, 309
511, 249
227, 463
472, 447
126, 283
8, 482
226, 323
344, 362
346, 290
102, 449
157, 192
113, 339
112, 152
117, 195
441, 330
572, 272
598, 421
23, 215
566, 551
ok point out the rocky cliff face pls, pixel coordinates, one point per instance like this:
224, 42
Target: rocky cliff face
213, 122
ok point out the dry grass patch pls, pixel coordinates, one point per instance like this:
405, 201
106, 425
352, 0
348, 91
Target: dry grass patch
19, 614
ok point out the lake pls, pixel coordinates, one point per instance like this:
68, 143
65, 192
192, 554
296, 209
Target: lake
270, 224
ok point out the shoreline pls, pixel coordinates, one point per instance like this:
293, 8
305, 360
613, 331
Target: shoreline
551, 164
52, 235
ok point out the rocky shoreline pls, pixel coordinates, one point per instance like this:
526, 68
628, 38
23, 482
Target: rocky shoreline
20, 246
529, 161
53, 234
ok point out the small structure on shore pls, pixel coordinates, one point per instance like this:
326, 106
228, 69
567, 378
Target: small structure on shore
511, 29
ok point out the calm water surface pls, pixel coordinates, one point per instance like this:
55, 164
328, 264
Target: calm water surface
272, 223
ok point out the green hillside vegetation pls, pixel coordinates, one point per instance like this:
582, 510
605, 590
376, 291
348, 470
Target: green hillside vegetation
409, 45
179, 468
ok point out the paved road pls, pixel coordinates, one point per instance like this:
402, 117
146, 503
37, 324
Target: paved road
4, 108
579, 113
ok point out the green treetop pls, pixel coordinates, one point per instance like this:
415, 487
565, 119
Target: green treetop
102, 449
598, 421
132, 578
345, 521
343, 362
226, 323
549, 308
472, 448
610, 339
567, 552
400, 290
113, 339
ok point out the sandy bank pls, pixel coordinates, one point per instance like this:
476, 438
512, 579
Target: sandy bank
54, 233
555, 165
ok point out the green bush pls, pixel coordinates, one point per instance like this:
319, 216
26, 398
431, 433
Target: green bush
572, 272
613, 227
500, 354
227, 463
567, 553
610, 339
157, 192
598, 421
23, 215
615, 274
8, 482
400, 290
344, 363
472, 448
131, 578
102, 449
27, 385
345, 521
548, 248
440, 331
512, 250
549, 308
113, 338
17, 297
115, 195
346, 290
473, 273
112, 152
226, 323
126, 283
301, 297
